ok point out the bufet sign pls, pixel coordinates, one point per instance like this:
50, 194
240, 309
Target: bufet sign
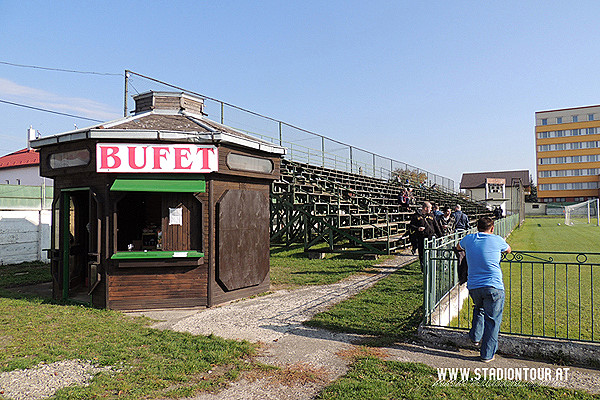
156, 158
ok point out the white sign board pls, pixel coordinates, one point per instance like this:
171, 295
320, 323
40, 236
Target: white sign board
175, 216
156, 158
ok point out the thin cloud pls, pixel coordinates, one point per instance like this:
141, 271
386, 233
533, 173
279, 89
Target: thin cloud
40, 98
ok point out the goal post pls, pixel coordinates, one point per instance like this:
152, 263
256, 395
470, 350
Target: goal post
586, 212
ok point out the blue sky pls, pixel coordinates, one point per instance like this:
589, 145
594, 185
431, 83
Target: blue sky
449, 86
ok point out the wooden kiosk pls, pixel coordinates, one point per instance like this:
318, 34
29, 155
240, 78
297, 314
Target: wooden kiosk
161, 209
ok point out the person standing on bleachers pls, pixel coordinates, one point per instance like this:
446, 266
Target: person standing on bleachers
411, 197
461, 221
403, 198
423, 225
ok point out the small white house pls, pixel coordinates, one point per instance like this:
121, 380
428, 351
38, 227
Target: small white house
497, 189
25, 207
22, 167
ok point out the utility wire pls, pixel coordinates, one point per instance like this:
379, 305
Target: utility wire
131, 84
60, 69
49, 111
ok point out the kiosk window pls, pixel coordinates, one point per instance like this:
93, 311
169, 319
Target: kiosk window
143, 222
69, 159
243, 162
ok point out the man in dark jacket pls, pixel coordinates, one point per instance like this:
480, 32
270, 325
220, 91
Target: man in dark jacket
423, 225
497, 212
461, 221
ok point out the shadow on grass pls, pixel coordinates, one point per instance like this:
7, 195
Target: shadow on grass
400, 331
297, 251
10, 293
338, 271
388, 312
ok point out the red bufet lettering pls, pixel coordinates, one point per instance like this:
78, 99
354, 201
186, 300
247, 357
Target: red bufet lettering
132, 152
156, 158
182, 153
109, 152
159, 153
205, 159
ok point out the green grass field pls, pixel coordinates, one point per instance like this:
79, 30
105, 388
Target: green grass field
392, 301
371, 378
148, 363
551, 294
27, 273
551, 234
291, 267
391, 310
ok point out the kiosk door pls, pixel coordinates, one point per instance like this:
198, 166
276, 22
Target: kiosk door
79, 227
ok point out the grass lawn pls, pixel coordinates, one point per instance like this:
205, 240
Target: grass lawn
28, 273
557, 298
163, 364
551, 234
148, 363
292, 267
370, 378
391, 310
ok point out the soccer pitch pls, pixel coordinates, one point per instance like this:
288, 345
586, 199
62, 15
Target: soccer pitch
552, 295
551, 234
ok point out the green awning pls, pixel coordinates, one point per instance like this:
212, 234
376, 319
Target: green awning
159, 185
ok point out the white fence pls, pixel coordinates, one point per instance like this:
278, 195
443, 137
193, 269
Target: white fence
25, 219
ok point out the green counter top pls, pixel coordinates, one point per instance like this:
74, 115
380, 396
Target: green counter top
149, 255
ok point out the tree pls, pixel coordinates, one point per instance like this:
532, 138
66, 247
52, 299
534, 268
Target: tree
413, 177
532, 196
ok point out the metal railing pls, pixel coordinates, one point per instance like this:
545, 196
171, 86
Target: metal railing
443, 296
551, 294
548, 294
303, 145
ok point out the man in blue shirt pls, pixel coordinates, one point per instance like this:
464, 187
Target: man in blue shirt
486, 288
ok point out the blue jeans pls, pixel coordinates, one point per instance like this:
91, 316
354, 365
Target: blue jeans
487, 318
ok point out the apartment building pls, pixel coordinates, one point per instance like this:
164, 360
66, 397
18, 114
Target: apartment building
568, 154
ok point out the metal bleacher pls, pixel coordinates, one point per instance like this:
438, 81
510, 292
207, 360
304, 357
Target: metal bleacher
330, 210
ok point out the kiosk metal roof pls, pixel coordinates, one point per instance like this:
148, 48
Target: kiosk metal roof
163, 125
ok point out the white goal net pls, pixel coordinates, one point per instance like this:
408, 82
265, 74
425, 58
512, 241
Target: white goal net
586, 212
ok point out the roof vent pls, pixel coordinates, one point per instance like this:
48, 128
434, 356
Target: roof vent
168, 101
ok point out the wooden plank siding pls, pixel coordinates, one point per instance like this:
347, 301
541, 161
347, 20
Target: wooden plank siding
169, 286
218, 291
224, 168
187, 235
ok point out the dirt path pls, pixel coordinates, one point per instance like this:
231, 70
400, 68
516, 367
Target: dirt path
308, 357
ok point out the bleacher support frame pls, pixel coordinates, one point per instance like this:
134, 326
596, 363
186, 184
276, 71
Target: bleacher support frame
346, 212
